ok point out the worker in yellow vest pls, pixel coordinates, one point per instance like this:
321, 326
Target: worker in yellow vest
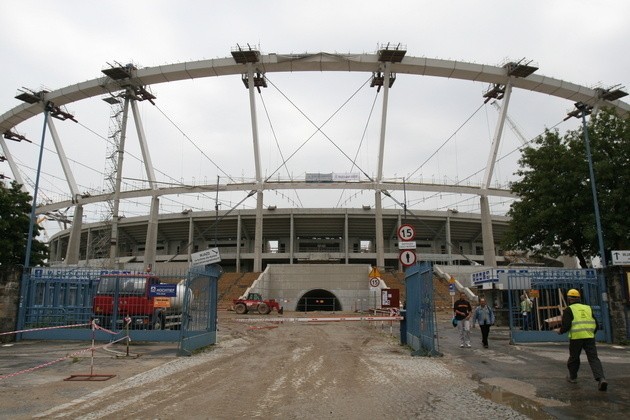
579, 322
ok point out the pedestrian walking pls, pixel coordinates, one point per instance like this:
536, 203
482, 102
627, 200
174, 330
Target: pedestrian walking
579, 322
484, 316
463, 311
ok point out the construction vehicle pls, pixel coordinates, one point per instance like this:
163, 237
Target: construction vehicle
255, 303
139, 301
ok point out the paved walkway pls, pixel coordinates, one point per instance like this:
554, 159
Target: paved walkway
533, 375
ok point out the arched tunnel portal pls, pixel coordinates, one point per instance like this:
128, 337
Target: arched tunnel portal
318, 300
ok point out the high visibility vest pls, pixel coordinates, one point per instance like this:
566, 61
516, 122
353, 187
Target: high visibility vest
583, 325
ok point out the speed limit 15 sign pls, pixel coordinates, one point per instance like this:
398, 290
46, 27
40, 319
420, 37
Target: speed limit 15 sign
406, 233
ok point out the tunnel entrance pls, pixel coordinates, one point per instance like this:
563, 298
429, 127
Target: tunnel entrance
318, 300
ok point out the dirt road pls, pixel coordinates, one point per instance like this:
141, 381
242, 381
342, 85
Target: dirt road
290, 370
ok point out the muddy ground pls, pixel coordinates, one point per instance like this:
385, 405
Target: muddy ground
291, 370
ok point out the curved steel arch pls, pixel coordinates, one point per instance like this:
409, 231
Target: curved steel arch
306, 62
294, 185
312, 62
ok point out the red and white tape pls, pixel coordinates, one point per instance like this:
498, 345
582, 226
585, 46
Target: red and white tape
46, 328
324, 319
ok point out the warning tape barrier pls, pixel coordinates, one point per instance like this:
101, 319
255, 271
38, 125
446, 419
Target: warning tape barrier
95, 327
46, 328
43, 365
323, 319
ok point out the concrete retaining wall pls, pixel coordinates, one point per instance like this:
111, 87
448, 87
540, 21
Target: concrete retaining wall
287, 283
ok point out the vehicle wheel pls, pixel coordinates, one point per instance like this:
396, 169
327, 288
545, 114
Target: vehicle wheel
158, 323
240, 308
263, 309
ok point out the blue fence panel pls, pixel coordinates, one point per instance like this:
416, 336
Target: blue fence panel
55, 300
420, 319
551, 287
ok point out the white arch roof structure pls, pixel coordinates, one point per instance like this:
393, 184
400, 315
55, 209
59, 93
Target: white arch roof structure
317, 62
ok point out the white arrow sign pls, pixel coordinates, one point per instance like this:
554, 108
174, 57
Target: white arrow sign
620, 257
209, 256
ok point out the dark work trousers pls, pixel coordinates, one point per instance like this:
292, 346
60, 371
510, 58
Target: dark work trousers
575, 349
485, 329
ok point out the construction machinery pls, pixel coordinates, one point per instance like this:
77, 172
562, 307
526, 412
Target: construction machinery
255, 303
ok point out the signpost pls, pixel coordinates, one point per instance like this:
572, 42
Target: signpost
620, 257
407, 245
406, 233
408, 257
208, 256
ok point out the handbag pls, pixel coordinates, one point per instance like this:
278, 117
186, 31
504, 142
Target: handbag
454, 322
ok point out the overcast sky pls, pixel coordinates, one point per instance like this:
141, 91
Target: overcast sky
54, 44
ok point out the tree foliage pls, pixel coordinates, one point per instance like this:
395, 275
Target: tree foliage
15, 215
555, 214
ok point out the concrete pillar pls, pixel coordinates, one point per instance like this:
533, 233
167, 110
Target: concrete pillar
239, 228
489, 256
449, 244
292, 238
258, 237
346, 239
74, 242
191, 236
380, 247
151, 242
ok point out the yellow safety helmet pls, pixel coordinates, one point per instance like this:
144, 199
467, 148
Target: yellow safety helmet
573, 293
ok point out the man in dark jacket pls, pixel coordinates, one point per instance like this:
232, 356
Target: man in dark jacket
462, 312
579, 322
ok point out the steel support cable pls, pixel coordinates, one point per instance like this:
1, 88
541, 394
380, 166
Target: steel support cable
446, 141
319, 128
356, 155
194, 144
275, 137
521, 147
216, 223
176, 182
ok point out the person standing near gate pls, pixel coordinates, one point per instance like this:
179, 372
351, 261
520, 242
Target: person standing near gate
483, 316
579, 322
463, 312
526, 311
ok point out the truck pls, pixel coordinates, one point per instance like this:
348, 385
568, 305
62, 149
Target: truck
254, 302
139, 301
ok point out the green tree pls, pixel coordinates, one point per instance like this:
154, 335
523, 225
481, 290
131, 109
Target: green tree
15, 214
555, 214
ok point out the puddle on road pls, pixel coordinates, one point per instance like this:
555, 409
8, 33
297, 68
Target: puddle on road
516, 402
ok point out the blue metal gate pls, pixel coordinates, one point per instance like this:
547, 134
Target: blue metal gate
547, 291
58, 304
420, 319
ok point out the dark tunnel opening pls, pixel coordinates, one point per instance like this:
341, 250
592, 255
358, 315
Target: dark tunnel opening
318, 300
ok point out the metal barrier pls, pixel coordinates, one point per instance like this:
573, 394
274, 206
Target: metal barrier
420, 320
549, 301
169, 307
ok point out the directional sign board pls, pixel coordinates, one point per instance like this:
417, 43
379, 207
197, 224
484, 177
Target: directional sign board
208, 256
408, 257
406, 233
620, 257
407, 245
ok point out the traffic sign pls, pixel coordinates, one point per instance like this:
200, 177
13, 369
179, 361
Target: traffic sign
407, 245
620, 257
451, 289
408, 257
374, 273
406, 233
375, 282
